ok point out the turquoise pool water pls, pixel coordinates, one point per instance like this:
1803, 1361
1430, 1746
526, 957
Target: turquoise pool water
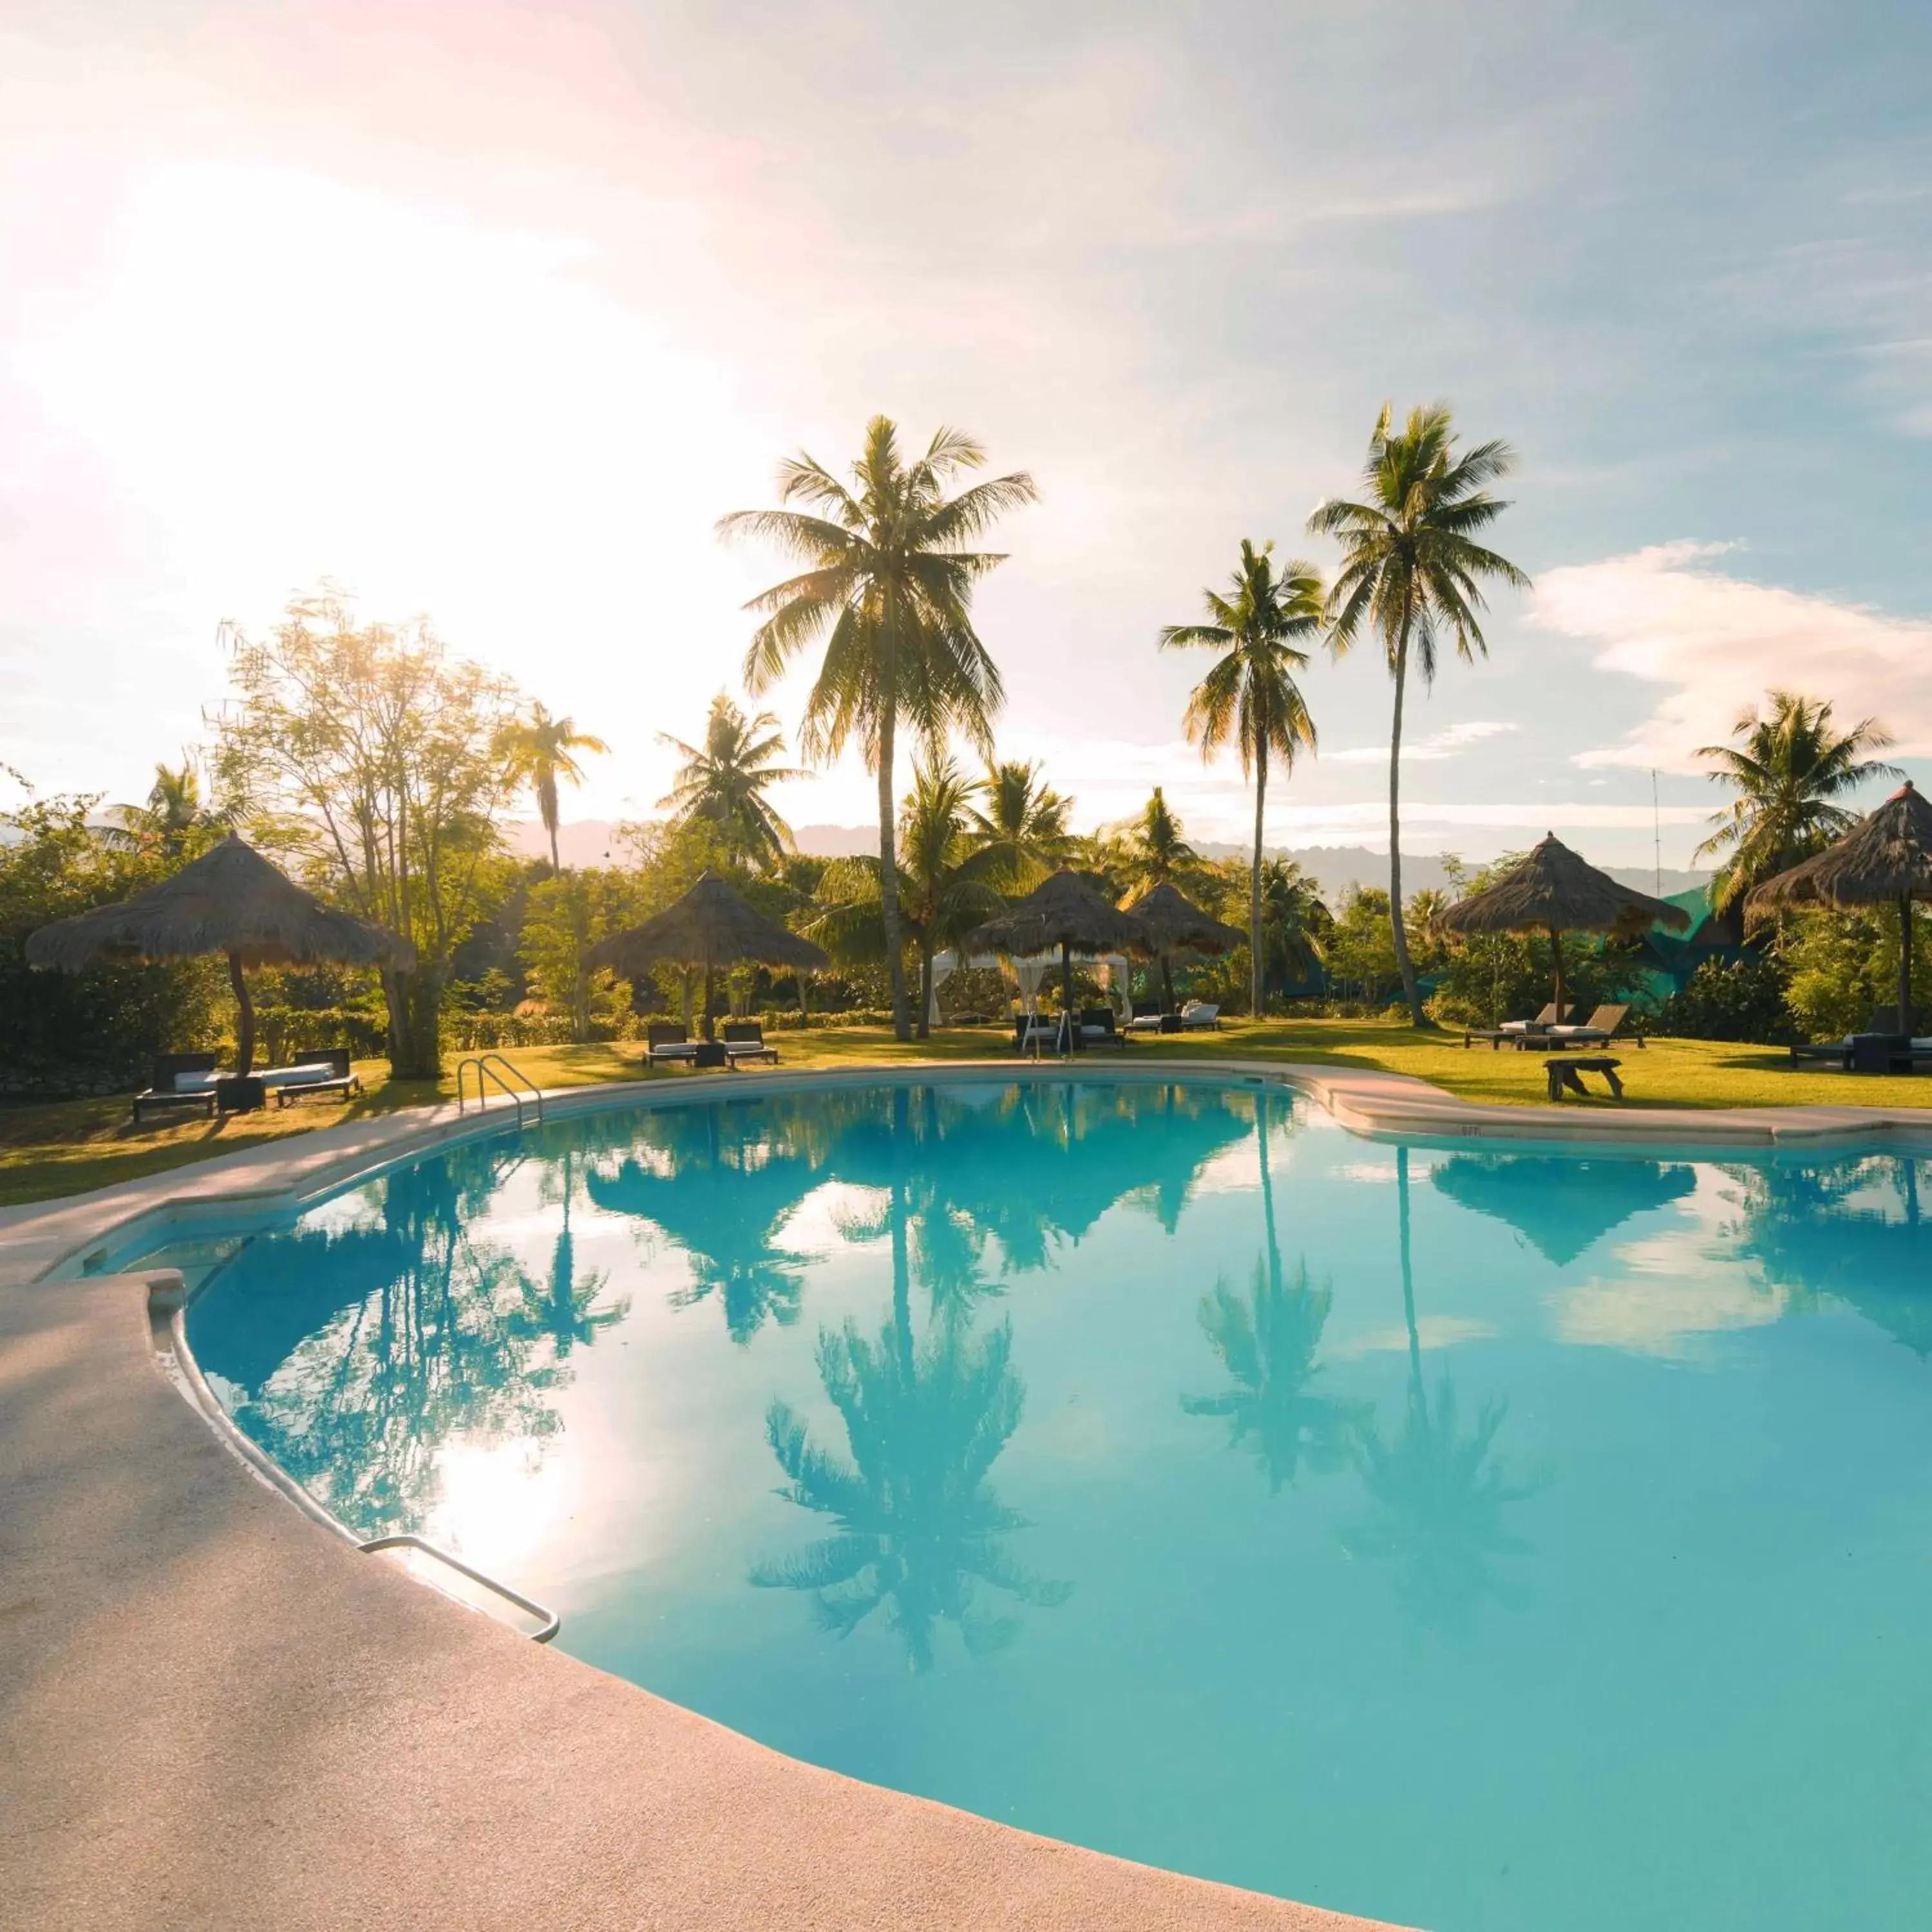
1470, 1539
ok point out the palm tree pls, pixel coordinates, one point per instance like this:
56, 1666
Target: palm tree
1788, 770
174, 814
723, 782
539, 751
1023, 823
1412, 570
945, 884
1296, 925
1250, 695
888, 585
1157, 852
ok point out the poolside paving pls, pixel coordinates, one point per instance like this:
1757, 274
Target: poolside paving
214, 1714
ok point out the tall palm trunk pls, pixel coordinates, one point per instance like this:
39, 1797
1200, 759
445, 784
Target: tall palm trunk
1398, 932
888, 880
923, 1029
547, 807
1255, 889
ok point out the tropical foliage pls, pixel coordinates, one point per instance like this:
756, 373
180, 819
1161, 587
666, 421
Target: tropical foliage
888, 584
539, 750
722, 783
1250, 698
1412, 574
1021, 822
1791, 770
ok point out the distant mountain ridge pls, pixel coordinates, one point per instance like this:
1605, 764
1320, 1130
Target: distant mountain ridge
1333, 868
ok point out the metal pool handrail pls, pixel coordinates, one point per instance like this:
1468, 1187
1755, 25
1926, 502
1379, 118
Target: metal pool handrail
550, 1622
494, 1067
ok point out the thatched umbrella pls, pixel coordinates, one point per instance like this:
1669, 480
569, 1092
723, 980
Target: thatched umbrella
231, 900
1555, 891
711, 926
1884, 859
1177, 924
1069, 909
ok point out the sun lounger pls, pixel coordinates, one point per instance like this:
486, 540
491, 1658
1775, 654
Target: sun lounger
320, 1070
744, 1039
179, 1083
1198, 1015
1516, 1031
1856, 1047
666, 1045
1097, 1027
1602, 1027
1029, 1028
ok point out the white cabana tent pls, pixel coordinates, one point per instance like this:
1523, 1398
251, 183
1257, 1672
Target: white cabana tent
1031, 973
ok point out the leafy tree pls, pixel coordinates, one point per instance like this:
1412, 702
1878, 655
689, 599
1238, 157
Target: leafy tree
1361, 952
370, 755
565, 915
1250, 696
62, 1032
1023, 823
888, 585
539, 750
1844, 966
1789, 770
1412, 572
945, 883
1740, 1000
723, 781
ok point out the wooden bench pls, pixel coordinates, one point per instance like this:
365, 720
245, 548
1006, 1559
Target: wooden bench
1567, 1070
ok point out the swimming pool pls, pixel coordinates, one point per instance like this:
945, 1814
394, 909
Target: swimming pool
1473, 1539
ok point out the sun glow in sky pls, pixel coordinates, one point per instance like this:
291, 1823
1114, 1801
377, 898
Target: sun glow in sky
489, 312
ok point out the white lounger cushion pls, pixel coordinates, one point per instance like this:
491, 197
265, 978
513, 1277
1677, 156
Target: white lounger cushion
196, 1083
298, 1076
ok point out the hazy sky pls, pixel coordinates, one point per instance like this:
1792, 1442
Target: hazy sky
489, 310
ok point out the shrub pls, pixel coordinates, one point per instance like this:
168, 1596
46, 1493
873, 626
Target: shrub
1745, 999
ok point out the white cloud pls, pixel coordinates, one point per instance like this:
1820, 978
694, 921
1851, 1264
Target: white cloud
1719, 642
1445, 744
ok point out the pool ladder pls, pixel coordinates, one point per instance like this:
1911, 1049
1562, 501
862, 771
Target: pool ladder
493, 1069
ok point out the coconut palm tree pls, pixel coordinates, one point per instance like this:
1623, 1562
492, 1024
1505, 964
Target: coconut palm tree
945, 883
1788, 769
1250, 695
1023, 822
1412, 572
539, 750
174, 815
723, 782
889, 585
1296, 925
1157, 852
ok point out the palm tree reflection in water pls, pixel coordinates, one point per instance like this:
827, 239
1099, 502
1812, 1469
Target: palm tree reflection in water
1268, 1343
1441, 1518
919, 1534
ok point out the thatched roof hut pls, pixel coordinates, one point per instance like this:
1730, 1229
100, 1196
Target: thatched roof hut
1177, 924
231, 900
1555, 890
1070, 909
711, 926
1886, 858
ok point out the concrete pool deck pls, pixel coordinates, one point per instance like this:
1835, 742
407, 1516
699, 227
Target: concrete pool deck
214, 1714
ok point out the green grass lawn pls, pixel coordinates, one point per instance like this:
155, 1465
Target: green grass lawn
47, 1151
